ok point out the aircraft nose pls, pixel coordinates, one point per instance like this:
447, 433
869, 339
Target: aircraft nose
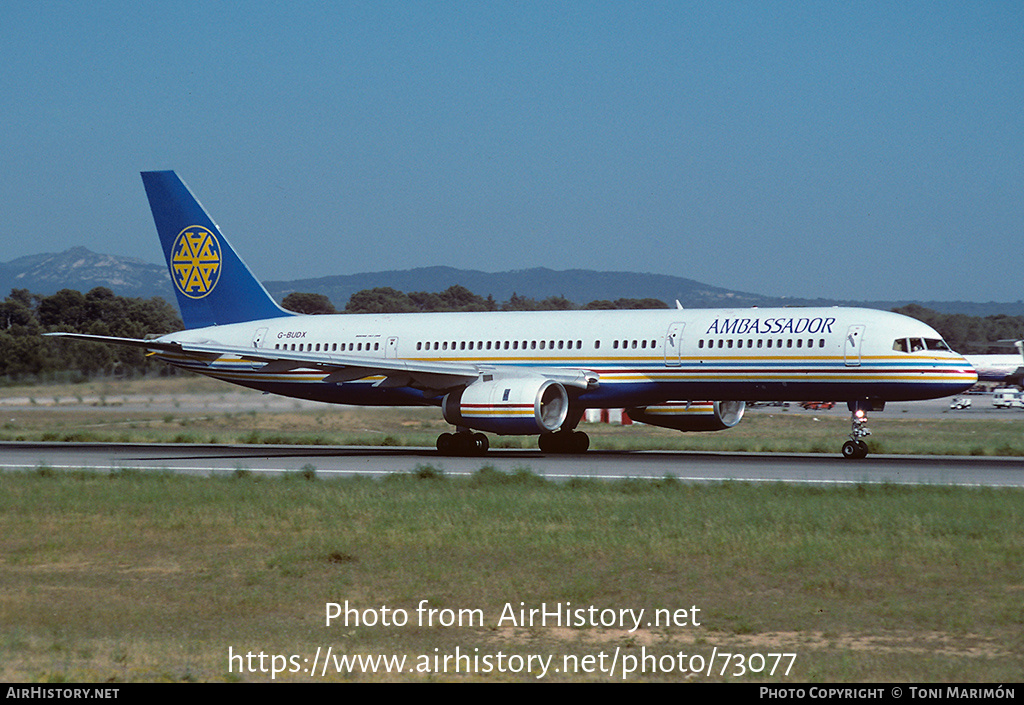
970, 374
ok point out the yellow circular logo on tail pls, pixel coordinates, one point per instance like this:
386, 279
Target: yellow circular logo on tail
196, 261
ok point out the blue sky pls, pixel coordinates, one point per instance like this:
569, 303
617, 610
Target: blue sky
865, 150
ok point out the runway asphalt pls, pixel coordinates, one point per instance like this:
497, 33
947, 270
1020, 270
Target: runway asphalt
336, 461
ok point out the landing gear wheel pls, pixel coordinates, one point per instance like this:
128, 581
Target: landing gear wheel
579, 442
548, 443
462, 443
480, 443
564, 442
445, 444
855, 450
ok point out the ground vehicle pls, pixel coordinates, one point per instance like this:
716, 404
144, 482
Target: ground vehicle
1007, 398
960, 403
818, 405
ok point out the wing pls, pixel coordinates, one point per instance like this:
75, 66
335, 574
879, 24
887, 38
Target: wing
397, 372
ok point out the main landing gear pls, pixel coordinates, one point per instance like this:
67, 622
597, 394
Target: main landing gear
564, 442
464, 442
856, 448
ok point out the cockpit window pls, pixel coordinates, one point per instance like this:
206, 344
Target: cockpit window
912, 345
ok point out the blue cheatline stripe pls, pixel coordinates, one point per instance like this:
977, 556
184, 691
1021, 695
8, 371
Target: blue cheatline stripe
751, 379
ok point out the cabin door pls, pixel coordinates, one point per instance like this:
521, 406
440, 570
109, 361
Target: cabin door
258, 336
852, 346
674, 345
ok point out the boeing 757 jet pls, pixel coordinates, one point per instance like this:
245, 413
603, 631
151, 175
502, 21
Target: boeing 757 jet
534, 373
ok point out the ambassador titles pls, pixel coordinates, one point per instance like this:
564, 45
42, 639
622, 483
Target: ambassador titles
770, 326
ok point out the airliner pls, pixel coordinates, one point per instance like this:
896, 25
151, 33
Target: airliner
533, 373
999, 368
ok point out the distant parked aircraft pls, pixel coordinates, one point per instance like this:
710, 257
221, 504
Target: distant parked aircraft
1000, 368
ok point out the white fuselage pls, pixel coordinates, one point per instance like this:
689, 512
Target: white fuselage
639, 356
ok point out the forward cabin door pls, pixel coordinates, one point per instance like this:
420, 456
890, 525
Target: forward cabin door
391, 347
852, 346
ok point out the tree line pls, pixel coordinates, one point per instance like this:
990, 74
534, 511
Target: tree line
384, 299
971, 335
25, 354
968, 335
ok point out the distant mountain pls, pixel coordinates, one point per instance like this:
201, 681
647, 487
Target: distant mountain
79, 268
583, 286
82, 269
578, 285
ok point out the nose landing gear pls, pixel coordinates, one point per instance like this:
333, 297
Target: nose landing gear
856, 448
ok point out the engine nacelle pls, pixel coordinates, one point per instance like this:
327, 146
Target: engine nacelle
692, 415
509, 406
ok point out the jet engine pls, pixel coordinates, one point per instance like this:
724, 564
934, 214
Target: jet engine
509, 406
691, 415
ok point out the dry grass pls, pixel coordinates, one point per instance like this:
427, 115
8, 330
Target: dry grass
152, 577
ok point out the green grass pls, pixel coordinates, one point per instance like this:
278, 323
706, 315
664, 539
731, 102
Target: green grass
139, 576
190, 409
759, 432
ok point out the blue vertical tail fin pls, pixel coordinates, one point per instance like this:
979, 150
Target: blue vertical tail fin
213, 285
